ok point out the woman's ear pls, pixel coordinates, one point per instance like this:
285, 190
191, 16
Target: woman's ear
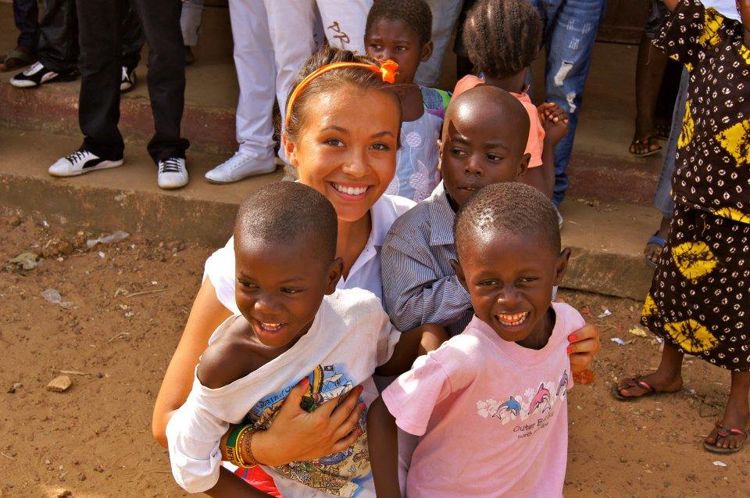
440, 155
334, 275
290, 149
561, 266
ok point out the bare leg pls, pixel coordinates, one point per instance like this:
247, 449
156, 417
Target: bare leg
648, 77
736, 415
666, 379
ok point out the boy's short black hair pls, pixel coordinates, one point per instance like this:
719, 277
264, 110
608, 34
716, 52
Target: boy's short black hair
414, 13
502, 37
508, 208
288, 213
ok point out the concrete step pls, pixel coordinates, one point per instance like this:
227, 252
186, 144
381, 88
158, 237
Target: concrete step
606, 238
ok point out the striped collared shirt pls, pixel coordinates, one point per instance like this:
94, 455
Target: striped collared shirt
419, 284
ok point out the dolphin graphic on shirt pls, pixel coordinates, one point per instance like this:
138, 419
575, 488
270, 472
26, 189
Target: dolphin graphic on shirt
563, 384
510, 406
542, 397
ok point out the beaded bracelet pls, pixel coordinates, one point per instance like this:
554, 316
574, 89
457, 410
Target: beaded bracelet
230, 453
245, 442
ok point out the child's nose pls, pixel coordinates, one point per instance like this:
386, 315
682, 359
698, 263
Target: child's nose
473, 165
266, 305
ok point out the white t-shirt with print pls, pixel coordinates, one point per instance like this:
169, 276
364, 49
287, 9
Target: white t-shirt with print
365, 273
350, 336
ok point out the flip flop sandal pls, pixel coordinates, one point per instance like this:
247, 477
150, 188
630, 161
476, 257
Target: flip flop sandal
647, 143
654, 240
723, 432
16, 59
634, 382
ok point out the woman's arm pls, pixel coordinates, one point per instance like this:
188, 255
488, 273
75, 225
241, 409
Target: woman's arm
206, 314
584, 345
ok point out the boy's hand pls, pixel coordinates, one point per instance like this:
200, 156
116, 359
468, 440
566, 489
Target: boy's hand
584, 345
555, 122
432, 337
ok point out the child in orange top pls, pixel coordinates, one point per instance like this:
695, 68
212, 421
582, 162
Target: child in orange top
503, 37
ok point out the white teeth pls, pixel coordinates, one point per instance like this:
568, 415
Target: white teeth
512, 319
270, 326
349, 190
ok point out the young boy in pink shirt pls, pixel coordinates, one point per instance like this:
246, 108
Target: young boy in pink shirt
490, 405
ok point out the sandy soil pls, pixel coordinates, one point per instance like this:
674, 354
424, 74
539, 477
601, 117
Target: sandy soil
94, 440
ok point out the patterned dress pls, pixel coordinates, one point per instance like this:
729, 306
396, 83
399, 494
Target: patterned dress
699, 299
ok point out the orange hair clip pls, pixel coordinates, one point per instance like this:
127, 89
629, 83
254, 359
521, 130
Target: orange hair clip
387, 70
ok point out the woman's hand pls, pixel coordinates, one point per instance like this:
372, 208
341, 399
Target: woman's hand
297, 435
584, 345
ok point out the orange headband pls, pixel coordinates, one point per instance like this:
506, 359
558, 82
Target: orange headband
387, 70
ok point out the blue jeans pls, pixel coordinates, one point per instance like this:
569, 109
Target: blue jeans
663, 198
570, 28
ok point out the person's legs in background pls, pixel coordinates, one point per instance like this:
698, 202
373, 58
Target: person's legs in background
132, 43
648, 80
663, 197
57, 55
444, 17
344, 22
267, 61
99, 24
160, 22
570, 32
25, 16
190, 23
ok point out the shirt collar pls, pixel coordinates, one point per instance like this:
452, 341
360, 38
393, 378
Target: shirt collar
441, 216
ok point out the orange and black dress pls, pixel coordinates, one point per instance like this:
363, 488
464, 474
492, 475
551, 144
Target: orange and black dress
700, 295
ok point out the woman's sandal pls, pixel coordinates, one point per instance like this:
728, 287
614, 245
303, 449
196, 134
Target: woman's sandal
723, 432
654, 240
644, 147
16, 59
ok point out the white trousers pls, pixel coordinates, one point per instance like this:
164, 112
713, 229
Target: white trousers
272, 40
344, 22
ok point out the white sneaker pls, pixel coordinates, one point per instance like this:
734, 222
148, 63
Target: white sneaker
172, 173
127, 79
239, 166
81, 162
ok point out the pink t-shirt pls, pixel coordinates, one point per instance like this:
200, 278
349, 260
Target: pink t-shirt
535, 144
492, 414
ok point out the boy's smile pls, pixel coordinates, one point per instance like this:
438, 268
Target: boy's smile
279, 289
510, 280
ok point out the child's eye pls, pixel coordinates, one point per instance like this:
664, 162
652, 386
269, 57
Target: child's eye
381, 147
458, 152
490, 282
334, 142
401, 48
290, 290
494, 157
377, 48
527, 280
247, 284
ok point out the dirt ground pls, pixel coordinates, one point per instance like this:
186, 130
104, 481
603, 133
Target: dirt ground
124, 305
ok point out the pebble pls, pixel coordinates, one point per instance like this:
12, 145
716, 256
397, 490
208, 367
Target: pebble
66, 493
15, 387
60, 384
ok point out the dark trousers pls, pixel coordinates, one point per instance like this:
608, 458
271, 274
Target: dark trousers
25, 15
58, 37
100, 39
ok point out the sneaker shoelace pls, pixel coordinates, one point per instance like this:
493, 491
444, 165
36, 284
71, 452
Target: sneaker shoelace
76, 156
170, 166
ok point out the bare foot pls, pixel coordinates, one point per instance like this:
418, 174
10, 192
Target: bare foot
730, 433
655, 383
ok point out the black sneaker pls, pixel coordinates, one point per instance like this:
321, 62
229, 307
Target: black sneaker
81, 162
38, 75
128, 79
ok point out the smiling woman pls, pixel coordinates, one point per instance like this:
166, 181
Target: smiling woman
342, 138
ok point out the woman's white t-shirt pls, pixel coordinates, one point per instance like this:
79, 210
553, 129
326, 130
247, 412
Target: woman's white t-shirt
365, 273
